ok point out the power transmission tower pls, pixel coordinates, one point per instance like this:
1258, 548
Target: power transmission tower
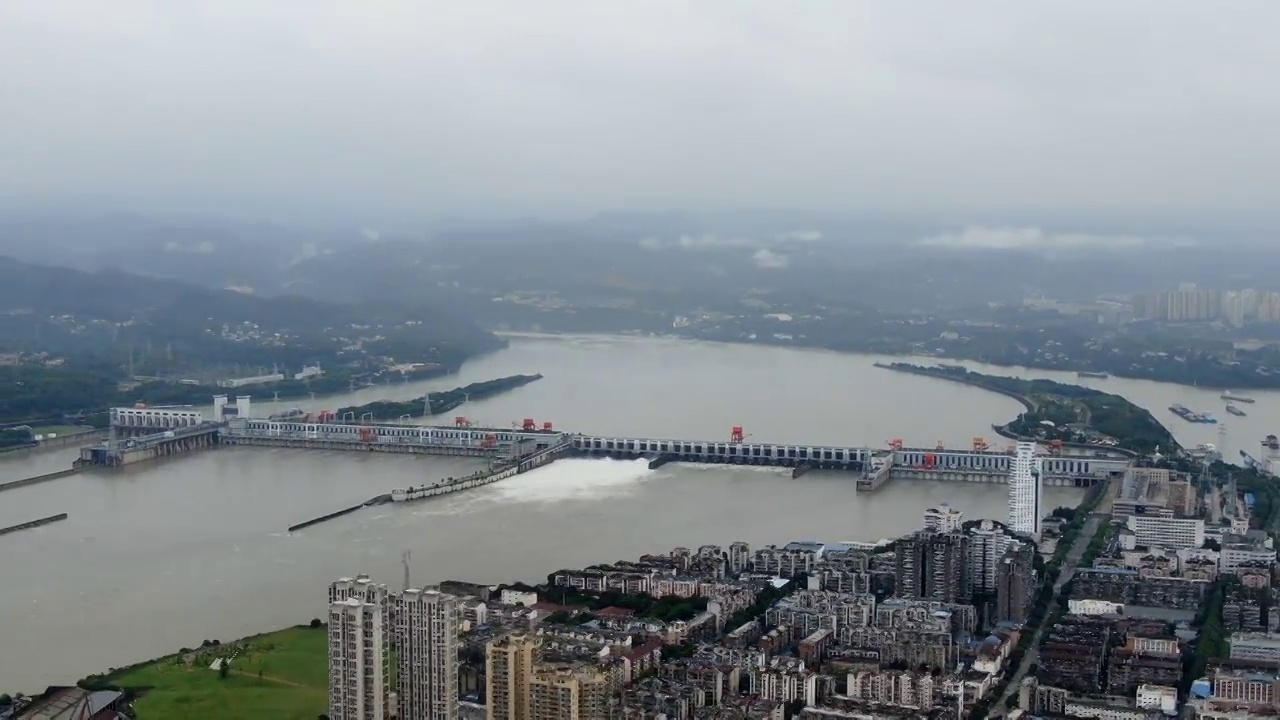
404, 560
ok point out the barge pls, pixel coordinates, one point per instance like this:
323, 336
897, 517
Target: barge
1190, 415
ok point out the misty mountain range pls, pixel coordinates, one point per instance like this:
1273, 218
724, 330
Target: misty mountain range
902, 267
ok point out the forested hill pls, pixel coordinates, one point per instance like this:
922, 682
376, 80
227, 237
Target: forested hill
166, 323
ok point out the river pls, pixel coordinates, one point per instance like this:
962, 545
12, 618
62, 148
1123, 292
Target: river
160, 556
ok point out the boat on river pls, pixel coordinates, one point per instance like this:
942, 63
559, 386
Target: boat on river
1226, 395
1231, 408
1190, 415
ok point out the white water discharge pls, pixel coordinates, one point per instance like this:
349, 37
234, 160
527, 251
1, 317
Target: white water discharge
575, 479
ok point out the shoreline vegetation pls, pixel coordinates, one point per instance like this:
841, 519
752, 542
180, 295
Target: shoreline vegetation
1197, 375
1072, 414
438, 403
69, 390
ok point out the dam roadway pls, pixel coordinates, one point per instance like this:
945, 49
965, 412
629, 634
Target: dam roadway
872, 467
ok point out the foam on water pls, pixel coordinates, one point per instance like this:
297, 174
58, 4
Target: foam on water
574, 479
713, 467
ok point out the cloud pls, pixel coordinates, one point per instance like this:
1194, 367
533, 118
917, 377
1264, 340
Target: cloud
1029, 238
762, 254
200, 248
570, 106
704, 241
710, 240
770, 260
801, 236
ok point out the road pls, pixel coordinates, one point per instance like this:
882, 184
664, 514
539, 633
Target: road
1068, 571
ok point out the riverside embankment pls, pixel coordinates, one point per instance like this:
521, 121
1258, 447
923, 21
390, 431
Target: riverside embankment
1091, 414
438, 403
35, 480
961, 376
30, 524
498, 471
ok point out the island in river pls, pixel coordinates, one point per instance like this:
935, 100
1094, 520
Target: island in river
437, 403
1058, 411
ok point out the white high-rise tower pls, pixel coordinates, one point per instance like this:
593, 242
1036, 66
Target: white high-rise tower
1024, 491
357, 660
427, 654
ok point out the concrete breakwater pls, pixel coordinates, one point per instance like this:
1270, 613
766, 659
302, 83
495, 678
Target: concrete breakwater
499, 471
661, 460
53, 443
69, 439
345, 511
15, 484
33, 523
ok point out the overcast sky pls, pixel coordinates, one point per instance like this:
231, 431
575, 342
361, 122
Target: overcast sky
556, 106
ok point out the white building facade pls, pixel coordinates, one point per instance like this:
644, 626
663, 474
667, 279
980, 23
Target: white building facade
1094, 607
427, 624
1025, 491
943, 519
988, 543
1152, 531
357, 660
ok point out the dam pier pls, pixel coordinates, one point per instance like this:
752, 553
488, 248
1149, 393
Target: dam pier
141, 433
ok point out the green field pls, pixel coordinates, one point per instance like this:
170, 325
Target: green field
277, 676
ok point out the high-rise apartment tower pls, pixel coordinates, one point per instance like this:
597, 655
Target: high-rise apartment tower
1025, 491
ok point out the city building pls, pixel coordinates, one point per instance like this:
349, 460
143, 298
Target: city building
360, 587
1246, 688
1025, 491
989, 541
1094, 607
1157, 697
1015, 585
426, 654
1235, 555
569, 692
232, 383
1256, 647
509, 664
943, 519
1192, 304
357, 660
1166, 532
933, 566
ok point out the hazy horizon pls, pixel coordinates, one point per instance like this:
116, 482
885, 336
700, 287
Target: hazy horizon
980, 113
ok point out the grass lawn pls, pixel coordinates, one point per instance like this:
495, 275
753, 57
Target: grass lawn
277, 676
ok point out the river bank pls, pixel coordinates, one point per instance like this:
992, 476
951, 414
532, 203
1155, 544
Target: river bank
950, 374
1119, 366
1071, 414
437, 403
199, 545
